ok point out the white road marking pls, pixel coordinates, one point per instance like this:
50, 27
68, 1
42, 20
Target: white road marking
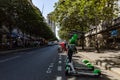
60, 62
8, 59
59, 68
49, 70
60, 57
51, 65
73, 78
59, 78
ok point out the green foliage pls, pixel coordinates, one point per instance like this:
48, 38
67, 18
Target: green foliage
80, 14
63, 34
29, 18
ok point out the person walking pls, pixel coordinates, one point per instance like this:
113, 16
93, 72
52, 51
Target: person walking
71, 50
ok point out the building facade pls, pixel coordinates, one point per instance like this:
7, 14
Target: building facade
107, 37
9, 30
51, 23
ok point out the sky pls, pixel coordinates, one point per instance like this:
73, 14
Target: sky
45, 6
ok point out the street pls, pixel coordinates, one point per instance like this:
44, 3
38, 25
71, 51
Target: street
60, 40
39, 64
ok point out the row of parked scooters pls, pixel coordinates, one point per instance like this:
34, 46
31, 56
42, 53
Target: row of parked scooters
86, 69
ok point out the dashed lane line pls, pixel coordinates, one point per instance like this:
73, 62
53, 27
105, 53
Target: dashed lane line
51, 65
59, 78
59, 68
60, 62
49, 70
73, 78
60, 57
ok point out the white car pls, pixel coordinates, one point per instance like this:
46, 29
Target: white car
50, 43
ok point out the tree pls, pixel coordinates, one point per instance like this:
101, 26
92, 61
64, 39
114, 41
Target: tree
26, 17
71, 13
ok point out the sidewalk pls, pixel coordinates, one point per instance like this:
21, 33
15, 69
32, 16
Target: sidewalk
106, 55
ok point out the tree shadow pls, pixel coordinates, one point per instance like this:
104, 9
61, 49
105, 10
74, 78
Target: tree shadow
110, 62
81, 65
76, 56
92, 49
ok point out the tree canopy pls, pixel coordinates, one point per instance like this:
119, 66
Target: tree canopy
80, 14
25, 16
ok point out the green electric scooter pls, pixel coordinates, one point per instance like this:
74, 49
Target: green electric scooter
71, 70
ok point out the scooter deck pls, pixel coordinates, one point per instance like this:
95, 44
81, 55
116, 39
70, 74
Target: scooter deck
82, 68
83, 74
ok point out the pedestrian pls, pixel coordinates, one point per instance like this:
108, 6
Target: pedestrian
71, 50
63, 46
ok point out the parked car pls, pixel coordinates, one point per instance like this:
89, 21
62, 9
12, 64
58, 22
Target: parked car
50, 43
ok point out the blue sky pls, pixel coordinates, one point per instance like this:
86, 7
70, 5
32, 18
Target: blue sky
45, 5
48, 7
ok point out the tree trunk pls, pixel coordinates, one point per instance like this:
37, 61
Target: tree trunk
83, 38
97, 47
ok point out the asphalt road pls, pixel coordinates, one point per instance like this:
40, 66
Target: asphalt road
39, 64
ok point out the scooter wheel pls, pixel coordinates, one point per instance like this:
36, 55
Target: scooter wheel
67, 69
92, 68
99, 74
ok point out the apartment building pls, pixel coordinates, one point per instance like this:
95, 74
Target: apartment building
106, 35
51, 24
